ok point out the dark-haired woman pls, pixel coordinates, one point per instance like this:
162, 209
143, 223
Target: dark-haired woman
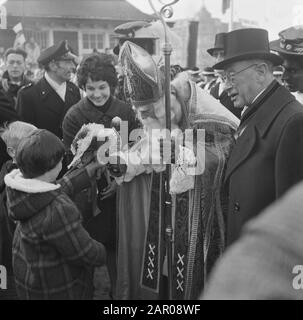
97, 77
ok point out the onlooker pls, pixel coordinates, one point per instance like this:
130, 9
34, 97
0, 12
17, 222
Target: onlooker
268, 155
289, 47
33, 52
218, 90
195, 74
210, 78
45, 103
97, 77
14, 78
53, 255
11, 135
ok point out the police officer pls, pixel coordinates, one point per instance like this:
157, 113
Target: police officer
290, 47
45, 103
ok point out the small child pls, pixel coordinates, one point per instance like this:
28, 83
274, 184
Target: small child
53, 255
11, 134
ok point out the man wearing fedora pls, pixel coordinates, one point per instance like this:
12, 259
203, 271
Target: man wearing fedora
268, 155
290, 47
218, 90
45, 103
210, 78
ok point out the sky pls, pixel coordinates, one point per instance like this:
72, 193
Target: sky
273, 15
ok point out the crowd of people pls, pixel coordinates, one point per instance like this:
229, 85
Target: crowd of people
84, 157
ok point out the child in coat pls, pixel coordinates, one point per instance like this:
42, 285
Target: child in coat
11, 134
53, 255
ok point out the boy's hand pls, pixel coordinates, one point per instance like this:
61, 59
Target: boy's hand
93, 167
117, 169
109, 191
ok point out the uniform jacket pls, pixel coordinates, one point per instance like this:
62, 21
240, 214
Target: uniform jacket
40, 105
266, 160
53, 255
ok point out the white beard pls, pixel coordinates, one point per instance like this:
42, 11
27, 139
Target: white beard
158, 123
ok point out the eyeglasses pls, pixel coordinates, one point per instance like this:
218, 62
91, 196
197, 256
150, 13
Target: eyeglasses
230, 76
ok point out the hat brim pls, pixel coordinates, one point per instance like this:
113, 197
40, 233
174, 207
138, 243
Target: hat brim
67, 57
193, 73
274, 58
211, 50
275, 46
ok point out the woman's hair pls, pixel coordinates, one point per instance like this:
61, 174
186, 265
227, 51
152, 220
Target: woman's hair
97, 67
39, 153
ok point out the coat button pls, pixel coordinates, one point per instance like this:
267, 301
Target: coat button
237, 207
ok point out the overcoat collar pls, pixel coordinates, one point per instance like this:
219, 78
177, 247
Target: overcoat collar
257, 127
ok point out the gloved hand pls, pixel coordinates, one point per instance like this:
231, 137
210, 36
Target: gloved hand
116, 167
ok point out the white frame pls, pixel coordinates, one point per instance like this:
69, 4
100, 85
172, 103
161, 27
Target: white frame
106, 33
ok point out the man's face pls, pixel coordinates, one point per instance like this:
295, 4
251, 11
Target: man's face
148, 117
293, 74
240, 82
63, 69
153, 115
218, 54
15, 65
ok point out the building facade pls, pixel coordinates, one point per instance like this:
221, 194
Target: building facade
86, 24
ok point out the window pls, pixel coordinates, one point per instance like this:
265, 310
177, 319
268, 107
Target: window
85, 41
41, 37
113, 41
92, 41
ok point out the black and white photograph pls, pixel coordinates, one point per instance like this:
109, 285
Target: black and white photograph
151, 150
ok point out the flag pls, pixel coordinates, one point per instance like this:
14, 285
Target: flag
3, 18
20, 38
225, 5
18, 27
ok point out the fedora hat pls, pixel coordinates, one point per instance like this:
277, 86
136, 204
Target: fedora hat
219, 43
290, 41
246, 44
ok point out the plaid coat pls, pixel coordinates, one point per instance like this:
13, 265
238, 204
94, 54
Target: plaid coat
7, 226
53, 255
